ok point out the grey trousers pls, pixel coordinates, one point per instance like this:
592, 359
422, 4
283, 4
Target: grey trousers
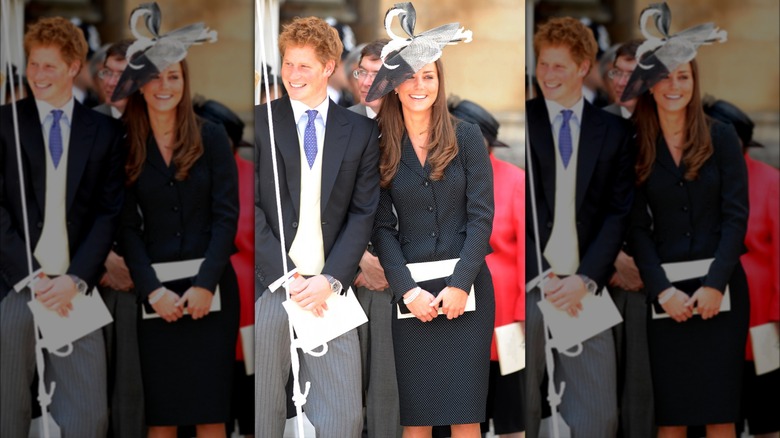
125, 387
589, 403
79, 405
635, 384
333, 405
380, 386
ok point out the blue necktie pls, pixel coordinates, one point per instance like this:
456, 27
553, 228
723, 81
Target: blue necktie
55, 138
564, 138
310, 138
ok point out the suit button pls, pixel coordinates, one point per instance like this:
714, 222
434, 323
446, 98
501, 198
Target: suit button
68, 223
426, 183
680, 183
39, 224
170, 183
433, 233
430, 208
178, 234
324, 222
549, 224
175, 208
295, 224
685, 208
687, 234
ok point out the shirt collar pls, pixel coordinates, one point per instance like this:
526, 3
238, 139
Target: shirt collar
44, 108
299, 109
370, 113
554, 109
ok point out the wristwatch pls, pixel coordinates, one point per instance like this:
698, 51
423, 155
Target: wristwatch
335, 285
81, 285
590, 285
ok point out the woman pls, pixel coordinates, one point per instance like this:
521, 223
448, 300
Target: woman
436, 184
182, 204
691, 204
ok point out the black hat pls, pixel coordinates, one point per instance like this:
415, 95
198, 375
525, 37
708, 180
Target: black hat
469, 111
727, 112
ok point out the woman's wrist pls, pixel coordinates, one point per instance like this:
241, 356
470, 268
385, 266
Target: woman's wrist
666, 295
155, 296
412, 295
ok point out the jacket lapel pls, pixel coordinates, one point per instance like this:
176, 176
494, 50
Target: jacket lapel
31, 139
82, 139
589, 148
334, 147
286, 133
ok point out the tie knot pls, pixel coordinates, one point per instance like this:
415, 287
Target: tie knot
56, 114
312, 115
566, 115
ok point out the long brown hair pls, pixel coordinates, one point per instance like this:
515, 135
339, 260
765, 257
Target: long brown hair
697, 144
187, 142
442, 143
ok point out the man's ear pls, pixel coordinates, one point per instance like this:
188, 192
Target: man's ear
330, 66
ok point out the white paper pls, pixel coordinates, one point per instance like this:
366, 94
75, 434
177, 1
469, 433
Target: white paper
510, 343
89, 313
598, 314
170, 271
766, 347
425, 271
344, 313
680, 271
247, 335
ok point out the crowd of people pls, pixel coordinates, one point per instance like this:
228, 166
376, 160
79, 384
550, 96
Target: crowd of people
367, 173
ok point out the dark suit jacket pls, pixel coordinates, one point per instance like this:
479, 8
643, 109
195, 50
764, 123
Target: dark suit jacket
449, 218
692, 220
350, 189
167, 220
94, 190
605, 181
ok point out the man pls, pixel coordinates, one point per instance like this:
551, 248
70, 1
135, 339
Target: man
73, 179
623, 66
383, 412
113, 67
635, 389
583, 178
329, 186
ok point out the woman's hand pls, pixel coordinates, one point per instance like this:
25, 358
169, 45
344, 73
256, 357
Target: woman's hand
166, 306
675, 306
708, 300
198, 301
420, 306
453, 302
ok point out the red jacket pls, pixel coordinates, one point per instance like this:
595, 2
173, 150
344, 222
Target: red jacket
762, 260
507, 262
244, 260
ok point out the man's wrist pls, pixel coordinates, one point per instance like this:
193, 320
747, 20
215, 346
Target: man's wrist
81, 285
590, 285
335, 285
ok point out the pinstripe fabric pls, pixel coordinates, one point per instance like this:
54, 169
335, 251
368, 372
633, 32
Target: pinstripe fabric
334, 402
79, 404
380, 387
17, 364
534, 364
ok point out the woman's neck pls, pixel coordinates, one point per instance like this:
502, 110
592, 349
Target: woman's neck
163, 126
417, 123
673, 127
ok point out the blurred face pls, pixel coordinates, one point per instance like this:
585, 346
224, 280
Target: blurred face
368, 69
50, 76
418, 93
163, 93
673, 93
109, 77
560, 78
304, 76
623, 69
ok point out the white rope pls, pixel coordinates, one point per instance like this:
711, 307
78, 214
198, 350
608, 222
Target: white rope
299, 397
44, 396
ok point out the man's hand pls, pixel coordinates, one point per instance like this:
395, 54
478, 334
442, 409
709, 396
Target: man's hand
311, 293
371, 275
197, 300
626, 274
117, 275
566, 294
56, 294
453, 302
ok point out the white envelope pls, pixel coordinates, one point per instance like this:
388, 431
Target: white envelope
680, 271
89, 314
510, 342
169, 271
247, 335
344, 313
425, 271
766, 347
598, 314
